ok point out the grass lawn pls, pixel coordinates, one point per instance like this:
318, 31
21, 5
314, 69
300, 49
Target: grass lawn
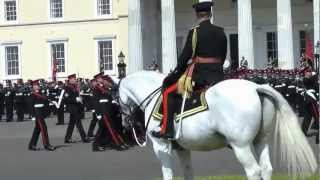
275, 177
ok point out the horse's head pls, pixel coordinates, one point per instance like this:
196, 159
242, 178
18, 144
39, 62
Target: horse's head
127, 107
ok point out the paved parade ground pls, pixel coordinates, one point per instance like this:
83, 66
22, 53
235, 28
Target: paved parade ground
78, 162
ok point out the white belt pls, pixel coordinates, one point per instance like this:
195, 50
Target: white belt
103, 100
39, 105
291, 86
19, 94
54, 93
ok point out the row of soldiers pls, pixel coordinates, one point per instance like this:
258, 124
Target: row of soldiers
95, 96
299, 86
16, 97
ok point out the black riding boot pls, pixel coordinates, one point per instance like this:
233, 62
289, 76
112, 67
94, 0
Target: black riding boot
169, 131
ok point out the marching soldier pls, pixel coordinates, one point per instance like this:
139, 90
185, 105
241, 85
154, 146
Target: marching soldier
19, 100
60, 110
28, 98
106, 129
74, 107
206, 45
40, 104
91, 101
9, 96
2, 95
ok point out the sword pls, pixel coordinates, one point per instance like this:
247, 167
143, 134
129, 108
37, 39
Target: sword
179, 132
60, 98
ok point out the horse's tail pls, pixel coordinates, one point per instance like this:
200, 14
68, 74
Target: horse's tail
289, 139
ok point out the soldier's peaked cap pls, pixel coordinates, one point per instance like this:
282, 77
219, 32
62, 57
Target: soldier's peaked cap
203, 6
72, 76
99, 75
35, 82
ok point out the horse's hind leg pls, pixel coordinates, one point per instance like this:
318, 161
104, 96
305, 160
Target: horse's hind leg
248, 161
185, 163
262, 150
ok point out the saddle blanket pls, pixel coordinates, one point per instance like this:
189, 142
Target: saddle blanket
195, 104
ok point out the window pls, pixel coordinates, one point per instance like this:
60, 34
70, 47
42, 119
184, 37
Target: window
12, 60
58, 56
105, 52
303, 36
103, 7
56, 9
10, 10
272, 47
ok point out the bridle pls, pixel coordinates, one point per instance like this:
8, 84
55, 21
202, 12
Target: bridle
132, 111
128, 117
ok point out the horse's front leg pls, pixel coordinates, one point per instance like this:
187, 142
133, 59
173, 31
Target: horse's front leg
186, 164
164, 153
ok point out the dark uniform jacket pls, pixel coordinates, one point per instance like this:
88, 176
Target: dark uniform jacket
102, 100
211, 42
9, 95
70, 99
40, 104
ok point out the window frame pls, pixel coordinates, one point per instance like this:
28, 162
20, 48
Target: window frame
55, 18
58, 41
5, 63
302, 42
274, 49
3, 12
96, 10
114, 70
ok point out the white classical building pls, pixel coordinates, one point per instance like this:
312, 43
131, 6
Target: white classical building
256, 29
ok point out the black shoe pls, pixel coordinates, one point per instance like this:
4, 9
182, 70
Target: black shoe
98, 148
86, 140
69, 141
50, 148
120, 148
158, 134
33, 148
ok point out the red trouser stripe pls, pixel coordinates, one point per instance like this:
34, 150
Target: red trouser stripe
114, 137
44, 140
169, 90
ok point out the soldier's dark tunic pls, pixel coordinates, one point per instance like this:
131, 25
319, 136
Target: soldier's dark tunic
91, 107
40, 105
9, 96
211, 42
19, 102
2, 95
28, 101
74, 107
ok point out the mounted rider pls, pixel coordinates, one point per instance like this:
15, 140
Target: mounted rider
206, 46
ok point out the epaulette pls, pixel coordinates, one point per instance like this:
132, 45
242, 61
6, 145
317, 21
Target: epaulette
194, 27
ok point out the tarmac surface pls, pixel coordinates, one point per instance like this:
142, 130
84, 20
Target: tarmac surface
78, 162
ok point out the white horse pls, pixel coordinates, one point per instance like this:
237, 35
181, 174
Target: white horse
241, 114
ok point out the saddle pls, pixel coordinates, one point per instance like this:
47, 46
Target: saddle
195, 104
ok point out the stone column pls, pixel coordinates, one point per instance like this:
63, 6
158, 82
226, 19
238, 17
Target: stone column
245, 32
169, 49
135, 37
285, 35
316, 16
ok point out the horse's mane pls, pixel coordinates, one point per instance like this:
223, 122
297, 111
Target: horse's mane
148, 76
